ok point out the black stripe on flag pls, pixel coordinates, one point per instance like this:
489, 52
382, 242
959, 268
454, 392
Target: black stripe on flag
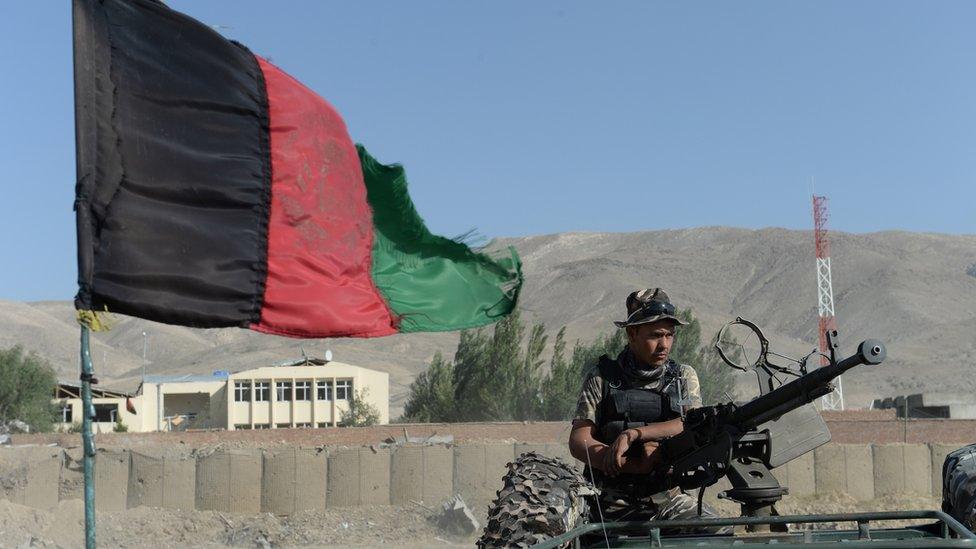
173, 197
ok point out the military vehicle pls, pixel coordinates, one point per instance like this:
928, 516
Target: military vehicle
546, 502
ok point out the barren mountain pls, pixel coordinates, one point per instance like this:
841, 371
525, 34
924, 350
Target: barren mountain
910, 290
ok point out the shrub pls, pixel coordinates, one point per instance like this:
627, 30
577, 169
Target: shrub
27, 385
360, 413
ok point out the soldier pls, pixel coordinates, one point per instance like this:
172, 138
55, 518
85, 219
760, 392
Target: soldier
629, 404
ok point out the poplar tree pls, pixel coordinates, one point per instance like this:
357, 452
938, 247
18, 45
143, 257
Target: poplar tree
497, 373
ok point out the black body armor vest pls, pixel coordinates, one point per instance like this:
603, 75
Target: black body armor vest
624, 406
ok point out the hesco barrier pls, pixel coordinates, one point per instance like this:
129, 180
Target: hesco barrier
162, 479
286, 479
230, 480
294, 479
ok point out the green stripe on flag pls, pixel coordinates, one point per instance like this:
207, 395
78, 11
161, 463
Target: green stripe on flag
430, 282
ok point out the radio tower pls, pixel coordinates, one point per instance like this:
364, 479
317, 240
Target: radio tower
825, 296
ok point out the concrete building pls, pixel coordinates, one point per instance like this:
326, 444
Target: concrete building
109, 406
177, 403
305, 393
302, 395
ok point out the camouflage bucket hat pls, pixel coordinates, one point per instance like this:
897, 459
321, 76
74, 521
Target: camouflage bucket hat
646, 306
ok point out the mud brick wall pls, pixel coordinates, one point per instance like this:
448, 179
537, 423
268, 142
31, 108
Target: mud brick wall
288, 479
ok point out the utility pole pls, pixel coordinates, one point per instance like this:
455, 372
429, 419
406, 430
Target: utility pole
825, 296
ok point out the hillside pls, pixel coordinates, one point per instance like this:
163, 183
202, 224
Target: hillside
911, 290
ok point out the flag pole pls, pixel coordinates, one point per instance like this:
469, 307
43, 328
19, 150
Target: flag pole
88, 441
82, 28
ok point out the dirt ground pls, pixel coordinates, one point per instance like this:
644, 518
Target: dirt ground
366, 526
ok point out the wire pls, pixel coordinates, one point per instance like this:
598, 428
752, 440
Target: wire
599, 509
791, 359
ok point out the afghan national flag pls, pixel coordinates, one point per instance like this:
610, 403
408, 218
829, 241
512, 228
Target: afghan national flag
216, 190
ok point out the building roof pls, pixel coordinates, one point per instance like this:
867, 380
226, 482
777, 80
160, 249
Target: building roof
219, 375
306, 361
223, 375
216, 376
67, 389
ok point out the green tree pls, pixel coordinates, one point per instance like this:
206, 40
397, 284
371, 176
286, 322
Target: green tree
494, 379
431, 397
562, 383
587, 356
472, 380
27, 385
360, 413
565, 379
717, 378
687, 339
526, 388
503, 372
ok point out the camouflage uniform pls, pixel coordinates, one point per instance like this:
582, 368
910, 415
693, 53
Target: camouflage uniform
617, 500
588, 405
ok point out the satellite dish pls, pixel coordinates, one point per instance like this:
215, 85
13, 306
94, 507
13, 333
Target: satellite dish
328, 355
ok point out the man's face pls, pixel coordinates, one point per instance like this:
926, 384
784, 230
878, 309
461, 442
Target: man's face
651, 343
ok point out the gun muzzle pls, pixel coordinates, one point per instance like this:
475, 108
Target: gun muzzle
870, 351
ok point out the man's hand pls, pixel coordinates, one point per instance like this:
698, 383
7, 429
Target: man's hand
615, 457
611, 459
650, 458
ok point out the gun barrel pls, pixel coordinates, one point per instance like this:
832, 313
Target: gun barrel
806, 388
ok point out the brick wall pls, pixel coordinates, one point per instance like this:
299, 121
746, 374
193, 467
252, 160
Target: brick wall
851, 427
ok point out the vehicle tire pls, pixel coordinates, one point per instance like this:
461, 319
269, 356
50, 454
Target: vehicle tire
542, 498
959, 485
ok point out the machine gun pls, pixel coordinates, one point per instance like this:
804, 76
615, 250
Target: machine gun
744, 442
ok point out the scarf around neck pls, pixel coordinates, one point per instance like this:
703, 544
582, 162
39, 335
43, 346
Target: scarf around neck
636, 373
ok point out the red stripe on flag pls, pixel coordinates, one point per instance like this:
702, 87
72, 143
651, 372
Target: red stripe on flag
320, 233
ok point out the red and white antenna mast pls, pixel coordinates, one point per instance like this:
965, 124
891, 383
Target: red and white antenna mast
825, 296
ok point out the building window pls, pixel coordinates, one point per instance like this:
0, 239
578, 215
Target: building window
303, 390
261, 426
106, 413
283, 391
303, 425
242, 426
283, 425
324, 425
66, 416
242, 391
324, 389
343, 389
261, 390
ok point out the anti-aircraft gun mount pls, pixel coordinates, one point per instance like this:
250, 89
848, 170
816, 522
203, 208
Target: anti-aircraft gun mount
547, 503
745, 442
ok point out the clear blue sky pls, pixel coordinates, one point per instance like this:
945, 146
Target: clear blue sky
522, 118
